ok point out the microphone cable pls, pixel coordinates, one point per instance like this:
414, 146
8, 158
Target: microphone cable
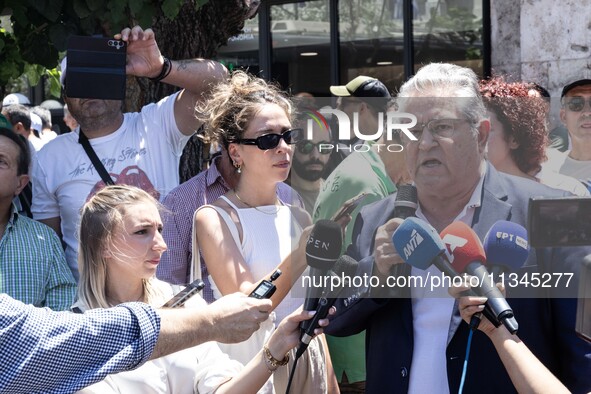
291, 374
466, 358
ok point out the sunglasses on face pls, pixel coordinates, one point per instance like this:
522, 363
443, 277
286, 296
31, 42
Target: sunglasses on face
270, 141
576, 104
306, 147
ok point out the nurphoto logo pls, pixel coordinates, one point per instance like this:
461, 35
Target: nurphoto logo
395, 121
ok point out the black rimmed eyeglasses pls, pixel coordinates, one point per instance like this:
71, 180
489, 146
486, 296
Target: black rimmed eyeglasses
270, 141
439, 128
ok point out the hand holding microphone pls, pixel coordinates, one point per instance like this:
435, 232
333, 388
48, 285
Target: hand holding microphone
405, 205
323, 248
344, 267
472, 307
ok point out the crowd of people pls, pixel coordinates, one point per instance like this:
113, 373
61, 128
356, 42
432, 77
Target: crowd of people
106, 235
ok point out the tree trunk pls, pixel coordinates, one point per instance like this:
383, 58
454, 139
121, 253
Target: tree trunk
192, 34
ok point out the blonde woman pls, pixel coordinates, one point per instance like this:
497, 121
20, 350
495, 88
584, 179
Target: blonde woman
248, 233
120, 248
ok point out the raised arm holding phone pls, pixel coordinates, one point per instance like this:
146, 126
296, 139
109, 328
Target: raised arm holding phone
141, 149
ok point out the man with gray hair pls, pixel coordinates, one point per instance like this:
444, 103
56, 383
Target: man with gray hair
418, 333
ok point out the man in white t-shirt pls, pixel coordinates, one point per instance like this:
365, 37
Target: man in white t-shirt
576, 115
141, 149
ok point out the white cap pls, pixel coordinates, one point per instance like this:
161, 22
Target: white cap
36, 122
15, 98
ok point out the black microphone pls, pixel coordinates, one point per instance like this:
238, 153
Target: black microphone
345, 267
405, 206
406, 202
322, 251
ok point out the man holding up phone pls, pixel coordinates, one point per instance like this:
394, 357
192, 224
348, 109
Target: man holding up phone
141, 149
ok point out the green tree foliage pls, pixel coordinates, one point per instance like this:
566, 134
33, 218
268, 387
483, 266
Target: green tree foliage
37, 38
39, 29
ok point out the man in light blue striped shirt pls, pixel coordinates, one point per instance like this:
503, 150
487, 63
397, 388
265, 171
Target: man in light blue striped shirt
33, 267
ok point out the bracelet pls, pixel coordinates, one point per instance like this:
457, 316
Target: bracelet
166, 69
272, 362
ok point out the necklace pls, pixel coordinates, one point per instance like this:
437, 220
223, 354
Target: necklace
260, 210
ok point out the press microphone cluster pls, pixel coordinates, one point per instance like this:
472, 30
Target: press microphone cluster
418, 243
344, 266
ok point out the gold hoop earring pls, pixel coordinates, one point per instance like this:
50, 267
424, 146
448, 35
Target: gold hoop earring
238, 168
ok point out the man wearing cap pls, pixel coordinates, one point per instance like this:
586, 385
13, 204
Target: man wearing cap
575, 113
141, 149
365, 96
374, 169
15, 98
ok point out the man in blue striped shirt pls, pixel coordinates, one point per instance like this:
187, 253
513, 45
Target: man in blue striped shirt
42, 351
33, 266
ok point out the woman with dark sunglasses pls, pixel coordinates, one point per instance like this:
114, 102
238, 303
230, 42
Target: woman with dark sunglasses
248, 233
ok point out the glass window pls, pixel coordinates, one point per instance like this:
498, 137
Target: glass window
300, 34
449, 31
371, 40
242, 51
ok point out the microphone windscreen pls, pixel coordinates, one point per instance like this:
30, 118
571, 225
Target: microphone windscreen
324, 245
463, 245
406, 196
346, 266
417, 242
506, 245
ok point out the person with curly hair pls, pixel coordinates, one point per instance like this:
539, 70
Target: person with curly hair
249, 233
518, 136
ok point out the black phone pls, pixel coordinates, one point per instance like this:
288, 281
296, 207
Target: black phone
557, 222
95, 68
349, 206
182, 296
266, 288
